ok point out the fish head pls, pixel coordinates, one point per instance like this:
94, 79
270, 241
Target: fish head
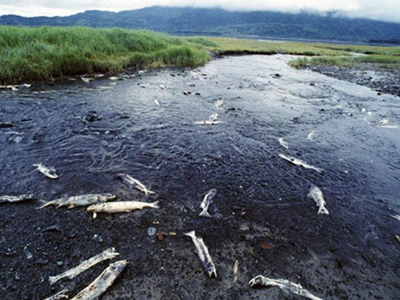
211, 270
108, 196
118, 266
257, 281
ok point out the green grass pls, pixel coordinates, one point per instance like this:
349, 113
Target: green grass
226, 46
380, 61
45, 53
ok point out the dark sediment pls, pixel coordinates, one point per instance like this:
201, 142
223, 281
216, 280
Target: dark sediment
262, 217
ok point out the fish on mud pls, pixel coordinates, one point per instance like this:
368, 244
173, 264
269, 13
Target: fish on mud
285, 285
80, 201
120, 207
156, 102
283, 143
13, 199
205, 204
235, 271
204, 255
299, 162
59, 296
132, 182
316, 194
49, 172
85, 265
100, 285
396, 217
311, 135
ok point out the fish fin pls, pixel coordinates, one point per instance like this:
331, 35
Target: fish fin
323, 210
155, 204
191, 234
45, 204
205, 213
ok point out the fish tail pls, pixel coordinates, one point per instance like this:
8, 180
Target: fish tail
191, 234
205, 213
155, 204
323, 210
147, 192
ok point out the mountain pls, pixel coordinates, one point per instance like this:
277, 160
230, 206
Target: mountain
219, 22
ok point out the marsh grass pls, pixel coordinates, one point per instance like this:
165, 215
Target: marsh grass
38, 54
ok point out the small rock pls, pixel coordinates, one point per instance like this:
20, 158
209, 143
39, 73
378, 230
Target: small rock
152, 231
187, 93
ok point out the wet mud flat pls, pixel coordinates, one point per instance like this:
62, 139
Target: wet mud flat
383, 81
90, 132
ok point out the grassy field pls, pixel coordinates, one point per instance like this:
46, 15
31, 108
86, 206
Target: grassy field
37, 54
43, 53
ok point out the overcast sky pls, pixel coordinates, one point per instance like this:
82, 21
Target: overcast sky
388, 10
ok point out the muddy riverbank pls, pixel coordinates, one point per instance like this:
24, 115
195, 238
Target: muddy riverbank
92, 131
381, 80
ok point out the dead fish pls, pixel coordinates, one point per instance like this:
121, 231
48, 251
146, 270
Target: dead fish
235, 271
219, 103
208, 122
59, 296
86, 80
397, 217
162, 86
318, 197
299, 162
79, 201
204, 255
156, 102
100, 285
85, 265
285, 285
311, 135
213, 117
283, 143
397, 238
12, 199
206, 203
132, 182
120, 207
49, 172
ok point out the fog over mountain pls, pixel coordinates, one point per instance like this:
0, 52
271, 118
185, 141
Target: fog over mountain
386, 10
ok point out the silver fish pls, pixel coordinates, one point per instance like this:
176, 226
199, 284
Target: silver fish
100, 285
59, 296
49, 172
396, 217
85, 265
156, 102
318, 197
12, 199
311, 135
119, 207
205, 204
283, 143
204, 255
132, 182
235, 271
284, 285
299, 162
79, 201
208, 122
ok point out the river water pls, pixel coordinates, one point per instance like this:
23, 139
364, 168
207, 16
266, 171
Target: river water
90, 132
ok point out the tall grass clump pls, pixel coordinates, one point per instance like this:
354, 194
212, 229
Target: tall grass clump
44, 53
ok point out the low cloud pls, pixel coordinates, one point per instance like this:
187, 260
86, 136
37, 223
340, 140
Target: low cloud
388, 10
